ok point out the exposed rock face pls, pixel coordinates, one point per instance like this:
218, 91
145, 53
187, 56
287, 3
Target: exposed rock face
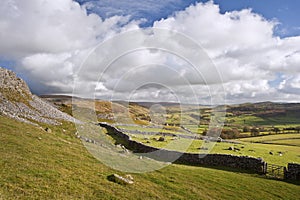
16, 101
10, 83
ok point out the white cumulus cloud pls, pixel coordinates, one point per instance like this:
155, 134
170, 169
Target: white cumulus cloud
49, 40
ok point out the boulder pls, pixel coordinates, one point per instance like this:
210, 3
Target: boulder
161, 139
121, 180
129, 177
231, 148
203, 148
48, 130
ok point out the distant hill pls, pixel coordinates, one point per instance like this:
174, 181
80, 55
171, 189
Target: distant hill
267, 110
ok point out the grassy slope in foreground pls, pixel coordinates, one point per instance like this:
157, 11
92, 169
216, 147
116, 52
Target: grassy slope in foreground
35, 164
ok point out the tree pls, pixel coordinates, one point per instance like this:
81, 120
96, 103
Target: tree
204, 132
246, 129
254, 132
276, 130
230, 133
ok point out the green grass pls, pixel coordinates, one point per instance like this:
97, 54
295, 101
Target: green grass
271, 137
289, 142
197, 129
39, 165
289, 153
279, 139
149, 129
255, 120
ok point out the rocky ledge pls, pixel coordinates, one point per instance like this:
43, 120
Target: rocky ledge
17, 102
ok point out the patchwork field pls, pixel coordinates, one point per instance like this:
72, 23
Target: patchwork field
271, 153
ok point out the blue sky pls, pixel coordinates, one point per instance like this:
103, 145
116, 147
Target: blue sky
286, 12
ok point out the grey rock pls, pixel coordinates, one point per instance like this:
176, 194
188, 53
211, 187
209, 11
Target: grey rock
48, 130
120, 180
231, 148
17, 102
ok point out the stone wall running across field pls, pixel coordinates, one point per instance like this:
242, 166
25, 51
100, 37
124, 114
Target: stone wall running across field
292, 172
222, 160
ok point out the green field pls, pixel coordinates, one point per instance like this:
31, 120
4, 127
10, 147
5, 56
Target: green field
35, 164
288, 153
149, 129
279, 139
277, 149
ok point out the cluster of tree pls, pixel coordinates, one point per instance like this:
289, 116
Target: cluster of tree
234, 133
230, 133
255, 131
224, 133
295, 129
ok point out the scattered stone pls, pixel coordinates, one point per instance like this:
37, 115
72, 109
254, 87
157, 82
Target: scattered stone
48, 130
129, 177
161, 139
89, 141
140, 157
120, 180
271, 153
231, 148
203, 148
39, 138
125, 151
17, 102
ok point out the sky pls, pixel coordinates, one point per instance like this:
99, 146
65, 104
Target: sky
231, 51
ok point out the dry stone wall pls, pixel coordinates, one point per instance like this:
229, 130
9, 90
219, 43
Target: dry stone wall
292, 172
222, 160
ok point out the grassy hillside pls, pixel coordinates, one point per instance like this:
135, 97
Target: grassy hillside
35, 164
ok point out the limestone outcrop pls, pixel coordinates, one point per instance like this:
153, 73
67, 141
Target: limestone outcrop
17, 102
